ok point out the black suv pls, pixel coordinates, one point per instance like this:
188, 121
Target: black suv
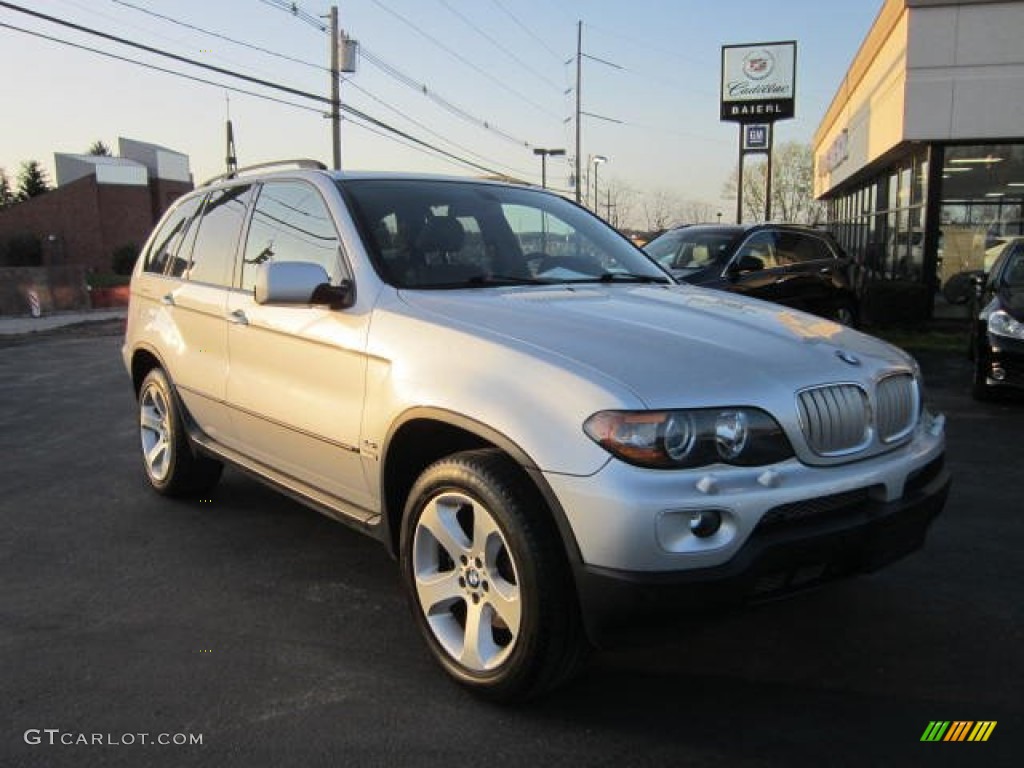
798, 266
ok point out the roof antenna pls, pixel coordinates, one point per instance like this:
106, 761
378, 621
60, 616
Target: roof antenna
232, 158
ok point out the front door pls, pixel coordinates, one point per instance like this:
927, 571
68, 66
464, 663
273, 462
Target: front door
297, 377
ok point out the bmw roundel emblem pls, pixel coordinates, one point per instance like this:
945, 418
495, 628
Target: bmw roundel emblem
847, 358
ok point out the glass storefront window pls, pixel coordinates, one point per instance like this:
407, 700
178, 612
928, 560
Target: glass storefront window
906, 174
982, 203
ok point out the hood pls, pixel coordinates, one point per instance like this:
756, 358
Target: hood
668, 344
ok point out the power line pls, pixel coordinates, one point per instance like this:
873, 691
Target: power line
423, 89
218, 35
297, 12
167, 54
526, 29
348, 109
445, 155
497, 81
498, 44
372, 58
398, 132
147, 65
426, 128
120, 21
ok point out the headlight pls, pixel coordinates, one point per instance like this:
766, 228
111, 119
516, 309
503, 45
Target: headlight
692, 438
1001, 324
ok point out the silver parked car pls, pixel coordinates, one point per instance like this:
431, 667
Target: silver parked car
556, 440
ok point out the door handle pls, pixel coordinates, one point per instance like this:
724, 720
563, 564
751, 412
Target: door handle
238, 318
168, 299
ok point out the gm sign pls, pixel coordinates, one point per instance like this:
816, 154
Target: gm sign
758, 82
756, 137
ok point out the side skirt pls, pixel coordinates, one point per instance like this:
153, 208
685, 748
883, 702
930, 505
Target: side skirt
363, 520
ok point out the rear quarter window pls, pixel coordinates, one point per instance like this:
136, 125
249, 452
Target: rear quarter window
216, 241
168, 238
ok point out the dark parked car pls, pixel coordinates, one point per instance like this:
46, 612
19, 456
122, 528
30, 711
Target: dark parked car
798, 266
997, 324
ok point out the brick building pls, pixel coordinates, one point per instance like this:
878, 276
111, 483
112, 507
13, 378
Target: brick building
100, 204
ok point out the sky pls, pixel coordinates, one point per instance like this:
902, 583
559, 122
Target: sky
500, 64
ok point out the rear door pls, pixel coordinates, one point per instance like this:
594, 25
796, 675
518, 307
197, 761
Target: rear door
810, 274
196, 299
297, 377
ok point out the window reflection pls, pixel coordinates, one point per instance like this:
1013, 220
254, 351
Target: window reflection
290, 222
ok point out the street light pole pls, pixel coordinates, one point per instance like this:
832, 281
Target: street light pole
544, 153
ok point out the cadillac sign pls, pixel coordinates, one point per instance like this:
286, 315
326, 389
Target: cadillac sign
758, 82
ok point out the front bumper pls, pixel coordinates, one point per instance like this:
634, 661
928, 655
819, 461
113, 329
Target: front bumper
794, 547
1003, 362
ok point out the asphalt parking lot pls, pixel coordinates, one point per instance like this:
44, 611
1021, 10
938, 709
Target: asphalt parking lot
281, 638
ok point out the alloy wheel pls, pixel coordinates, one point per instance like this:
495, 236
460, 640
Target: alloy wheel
155, 431
466, 581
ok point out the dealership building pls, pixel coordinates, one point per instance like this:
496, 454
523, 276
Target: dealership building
920, 157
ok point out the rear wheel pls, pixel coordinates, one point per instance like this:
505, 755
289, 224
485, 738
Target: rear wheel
487, 579
171, 466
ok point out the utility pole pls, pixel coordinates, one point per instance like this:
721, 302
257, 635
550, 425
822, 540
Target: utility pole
579, 104
335, 89
579, 110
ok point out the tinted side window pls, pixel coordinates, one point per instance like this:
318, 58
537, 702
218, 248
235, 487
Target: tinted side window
168, 239
795, 248
217, 239
290, 223
760, 246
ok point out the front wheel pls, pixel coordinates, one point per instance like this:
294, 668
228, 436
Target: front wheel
488, 582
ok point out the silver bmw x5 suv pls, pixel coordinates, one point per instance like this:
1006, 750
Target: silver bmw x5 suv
556, 441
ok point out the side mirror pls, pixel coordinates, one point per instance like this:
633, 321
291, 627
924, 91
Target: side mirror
300, 282
746, 263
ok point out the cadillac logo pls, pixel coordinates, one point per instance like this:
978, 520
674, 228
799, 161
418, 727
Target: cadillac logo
757, 65
847, 358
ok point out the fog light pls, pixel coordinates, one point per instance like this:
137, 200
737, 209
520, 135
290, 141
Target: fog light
705, 523
997, 372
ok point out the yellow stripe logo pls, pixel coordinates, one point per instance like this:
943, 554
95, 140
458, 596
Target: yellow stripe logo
958, 730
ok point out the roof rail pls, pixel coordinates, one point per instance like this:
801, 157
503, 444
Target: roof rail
300, 163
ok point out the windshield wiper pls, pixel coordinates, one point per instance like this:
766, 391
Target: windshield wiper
492, 279
626, 277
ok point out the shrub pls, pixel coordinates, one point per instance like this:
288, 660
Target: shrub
24, 250
124, 259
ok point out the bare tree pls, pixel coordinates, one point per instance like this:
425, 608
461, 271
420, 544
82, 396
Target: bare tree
617, 204
698, 212
660, 207
7, 196
792, 186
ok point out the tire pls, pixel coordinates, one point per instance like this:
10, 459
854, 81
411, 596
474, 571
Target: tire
479, 550
173, 469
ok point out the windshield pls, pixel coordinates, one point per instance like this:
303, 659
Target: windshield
454, 234
690, 248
